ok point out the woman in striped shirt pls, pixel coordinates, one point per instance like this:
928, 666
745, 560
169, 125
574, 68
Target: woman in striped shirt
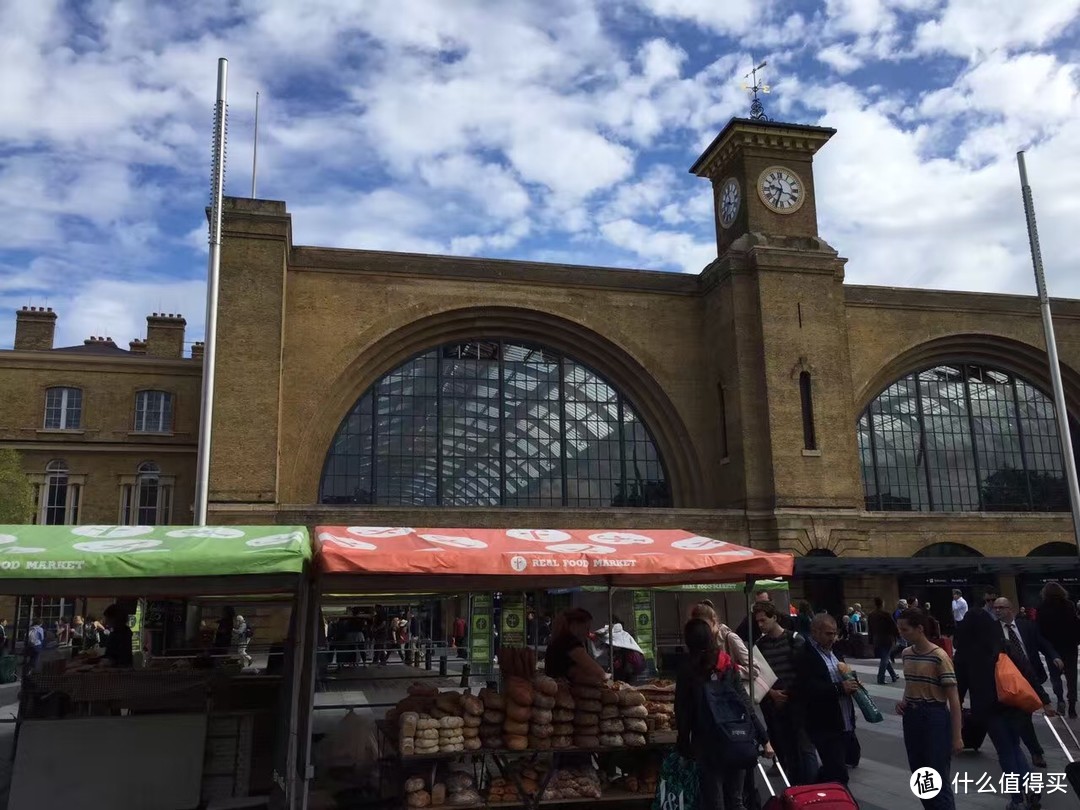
930, 707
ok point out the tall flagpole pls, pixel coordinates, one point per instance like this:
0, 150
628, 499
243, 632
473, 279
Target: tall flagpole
255, 147
1052, 352
217, 190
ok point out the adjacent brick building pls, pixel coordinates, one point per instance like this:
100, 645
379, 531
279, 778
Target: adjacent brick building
762, 401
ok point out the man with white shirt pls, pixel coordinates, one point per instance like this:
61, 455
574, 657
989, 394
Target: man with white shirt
959, 606
1025, 635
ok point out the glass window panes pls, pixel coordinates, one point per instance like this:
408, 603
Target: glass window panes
493, 423
962, 438
63, 409
147, 501
153, 412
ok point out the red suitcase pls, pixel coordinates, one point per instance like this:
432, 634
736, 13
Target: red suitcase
826, 796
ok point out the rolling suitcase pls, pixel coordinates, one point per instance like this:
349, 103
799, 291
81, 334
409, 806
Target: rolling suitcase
826, 796
972, 730
1072, 770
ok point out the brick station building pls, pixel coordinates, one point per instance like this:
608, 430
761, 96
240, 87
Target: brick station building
762, 400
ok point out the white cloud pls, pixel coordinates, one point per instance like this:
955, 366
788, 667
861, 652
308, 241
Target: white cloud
731, 17
560, 130
656, 245
970, 28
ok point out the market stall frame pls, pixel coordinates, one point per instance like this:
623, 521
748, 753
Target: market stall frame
35, 570
339, 553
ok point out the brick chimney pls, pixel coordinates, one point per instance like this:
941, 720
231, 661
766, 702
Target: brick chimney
165, 335
198, 350
93, 340
35, 328
137, 346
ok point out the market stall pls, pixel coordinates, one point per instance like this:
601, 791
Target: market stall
223, 726
543, 737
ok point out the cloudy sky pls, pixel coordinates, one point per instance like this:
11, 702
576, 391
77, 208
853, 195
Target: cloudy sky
559, 131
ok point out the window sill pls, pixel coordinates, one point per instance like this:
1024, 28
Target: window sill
62, 431
812, 453
169, 434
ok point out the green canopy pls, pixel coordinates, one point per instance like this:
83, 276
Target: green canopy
149, 552
759, 585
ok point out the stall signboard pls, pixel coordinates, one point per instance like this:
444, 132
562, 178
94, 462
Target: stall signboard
512, 626
136, 623
118, 552
643, 625
759, 585
480, 631
642, 558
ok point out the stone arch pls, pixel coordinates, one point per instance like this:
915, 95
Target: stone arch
1023, 359
1053, 549
947, 550
689, 486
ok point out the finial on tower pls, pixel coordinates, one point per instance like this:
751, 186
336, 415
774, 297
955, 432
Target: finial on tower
757, 109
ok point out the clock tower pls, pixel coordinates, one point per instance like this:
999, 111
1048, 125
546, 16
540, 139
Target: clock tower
776, 323
762, 177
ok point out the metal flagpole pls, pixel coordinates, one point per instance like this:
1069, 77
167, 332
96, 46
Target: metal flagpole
255, 147
1052, 352
217, 188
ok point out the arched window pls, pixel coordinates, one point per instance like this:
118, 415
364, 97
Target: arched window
146, 498
58, 494
962, 438
806, 396
493, 423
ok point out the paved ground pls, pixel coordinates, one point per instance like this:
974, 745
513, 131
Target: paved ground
881, 781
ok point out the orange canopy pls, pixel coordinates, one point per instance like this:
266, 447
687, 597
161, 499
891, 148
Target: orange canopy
639, 557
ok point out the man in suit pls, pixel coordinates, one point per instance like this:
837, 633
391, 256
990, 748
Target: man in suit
1025, 635
825, 700
984, 639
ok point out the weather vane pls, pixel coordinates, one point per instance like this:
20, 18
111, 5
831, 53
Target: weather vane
757, 110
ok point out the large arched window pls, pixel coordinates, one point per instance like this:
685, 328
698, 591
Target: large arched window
493, 423
962, 438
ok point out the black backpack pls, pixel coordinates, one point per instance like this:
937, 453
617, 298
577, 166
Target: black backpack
728, 723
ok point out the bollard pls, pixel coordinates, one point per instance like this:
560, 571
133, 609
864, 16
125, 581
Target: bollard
427, 658
465, 672
442, 666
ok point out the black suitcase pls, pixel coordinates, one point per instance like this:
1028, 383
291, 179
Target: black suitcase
972, 730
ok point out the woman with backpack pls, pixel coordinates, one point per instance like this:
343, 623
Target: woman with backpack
718, 728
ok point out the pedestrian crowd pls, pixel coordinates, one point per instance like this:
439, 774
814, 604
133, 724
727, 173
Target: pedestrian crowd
997, 658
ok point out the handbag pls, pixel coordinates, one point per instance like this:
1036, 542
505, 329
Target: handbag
764, 677
762, 682
1013, 688
677, 788
869, 709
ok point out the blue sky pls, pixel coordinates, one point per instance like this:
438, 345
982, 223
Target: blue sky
555, 131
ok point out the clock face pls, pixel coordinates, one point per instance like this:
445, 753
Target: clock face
729, 202
781, 190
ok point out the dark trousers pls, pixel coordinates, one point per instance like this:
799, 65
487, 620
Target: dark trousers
928, 740
1068, 655
720, 788
1027, 734
884, 655
833, 749
1003, 727
786, 738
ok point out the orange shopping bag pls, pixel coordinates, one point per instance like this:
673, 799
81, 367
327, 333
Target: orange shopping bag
1013, 688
